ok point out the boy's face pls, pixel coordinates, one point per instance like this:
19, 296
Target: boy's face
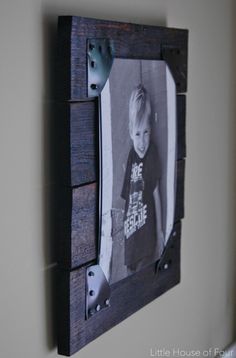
141, 136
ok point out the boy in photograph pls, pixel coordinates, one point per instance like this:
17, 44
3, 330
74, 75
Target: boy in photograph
144, 239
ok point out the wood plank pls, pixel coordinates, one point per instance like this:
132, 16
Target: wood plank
77, 125
63, 228
63, 311
181, 126
179, 201
63, 59
78, 228
130, 41
127, 297
176, 57
84, 233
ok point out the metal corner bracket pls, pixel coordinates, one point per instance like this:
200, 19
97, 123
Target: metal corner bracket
98, 291
100, 55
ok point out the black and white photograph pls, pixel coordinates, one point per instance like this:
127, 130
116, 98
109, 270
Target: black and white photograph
137, 166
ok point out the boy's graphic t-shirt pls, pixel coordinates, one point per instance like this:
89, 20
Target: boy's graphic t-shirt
140, 181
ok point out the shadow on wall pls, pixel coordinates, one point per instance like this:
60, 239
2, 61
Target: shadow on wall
49, 179
233, 101
49, 121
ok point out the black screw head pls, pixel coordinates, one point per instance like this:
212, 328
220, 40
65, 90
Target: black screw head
94, 86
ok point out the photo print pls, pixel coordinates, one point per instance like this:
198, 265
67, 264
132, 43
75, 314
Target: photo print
137, 166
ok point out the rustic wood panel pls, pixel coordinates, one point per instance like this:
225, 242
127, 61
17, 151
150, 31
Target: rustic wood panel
77, 142
130, 41
127, 296
77, 134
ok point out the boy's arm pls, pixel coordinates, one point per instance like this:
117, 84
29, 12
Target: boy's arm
159, 230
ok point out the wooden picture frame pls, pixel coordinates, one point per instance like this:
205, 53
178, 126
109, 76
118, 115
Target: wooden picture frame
78, 175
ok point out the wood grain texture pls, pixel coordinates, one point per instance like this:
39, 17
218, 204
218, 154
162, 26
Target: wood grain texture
63, 310
63, 64
130, 41
78, 229
63, 229
127, 296
84, 235
77, 143
176, 58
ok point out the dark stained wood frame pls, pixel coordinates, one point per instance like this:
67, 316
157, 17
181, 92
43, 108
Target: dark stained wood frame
78, 184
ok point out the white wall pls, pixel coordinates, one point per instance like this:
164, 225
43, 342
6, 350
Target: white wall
197, 314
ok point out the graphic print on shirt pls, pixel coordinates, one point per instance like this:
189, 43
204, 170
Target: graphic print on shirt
137, 209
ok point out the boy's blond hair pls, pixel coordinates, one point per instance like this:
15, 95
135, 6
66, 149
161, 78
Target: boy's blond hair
139, 105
